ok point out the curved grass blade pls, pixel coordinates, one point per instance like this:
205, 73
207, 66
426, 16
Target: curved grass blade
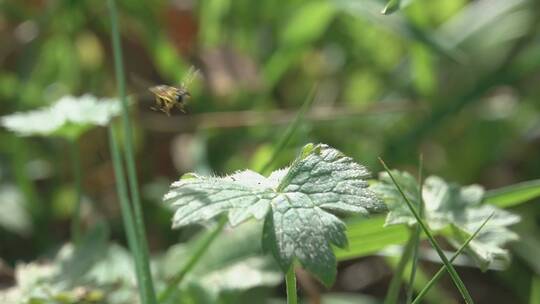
284, 140
417, 231
439, 273
451, 270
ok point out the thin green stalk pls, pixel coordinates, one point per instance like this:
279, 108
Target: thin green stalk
441, 271
393, 291
127, 213
284, 140
130, 160
290, 281
534, 296
197, 254
417, 231
451, 270
33, 205
77, 178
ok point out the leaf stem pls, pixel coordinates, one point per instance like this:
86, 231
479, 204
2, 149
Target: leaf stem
451, 270
195, 257
290, 281
439, 273
77, 179
130, 160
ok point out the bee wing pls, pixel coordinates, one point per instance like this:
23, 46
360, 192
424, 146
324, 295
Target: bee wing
191, 74
155, 89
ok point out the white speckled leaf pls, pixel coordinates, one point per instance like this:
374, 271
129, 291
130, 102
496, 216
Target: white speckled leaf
448, 204
69, 117
300, 226
242, 195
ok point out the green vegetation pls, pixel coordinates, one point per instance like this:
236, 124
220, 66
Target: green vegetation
262, 192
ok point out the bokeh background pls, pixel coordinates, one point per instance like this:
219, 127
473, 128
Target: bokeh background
453, 80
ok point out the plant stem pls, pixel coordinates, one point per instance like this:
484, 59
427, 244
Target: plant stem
417, 231
130, 160
451, 270
196, 255
441, 271
127, 213
33, 205
77, 179
534, 295
393, 291
290, 281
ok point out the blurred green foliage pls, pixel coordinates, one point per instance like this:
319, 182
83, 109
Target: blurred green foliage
455, 80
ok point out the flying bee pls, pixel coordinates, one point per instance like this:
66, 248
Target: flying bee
168, 97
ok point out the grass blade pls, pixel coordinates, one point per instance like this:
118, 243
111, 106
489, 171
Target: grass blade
130, 160
417, 231
451, 270
284, 140
513, 195
127, 213
439, 273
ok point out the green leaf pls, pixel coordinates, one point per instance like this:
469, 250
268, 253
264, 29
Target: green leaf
300, 199
115, 267
398, 213
488, 245
69, 117
450, 205
78, 260
308, 23
390, 7
514, 194
368, 236
234, 261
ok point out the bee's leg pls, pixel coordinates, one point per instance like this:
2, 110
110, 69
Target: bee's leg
157, 102
180, 106
167, 108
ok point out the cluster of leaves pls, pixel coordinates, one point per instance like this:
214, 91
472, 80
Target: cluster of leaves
452, 210
295, 204
101, 272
